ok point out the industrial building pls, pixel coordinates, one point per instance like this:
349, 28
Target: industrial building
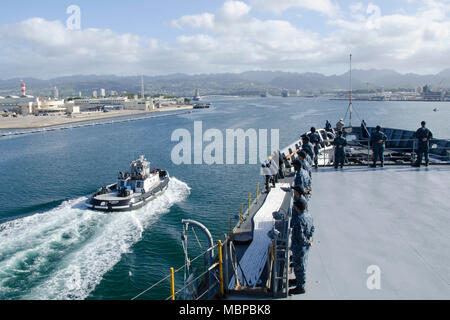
429, 95
42, 106
124, 102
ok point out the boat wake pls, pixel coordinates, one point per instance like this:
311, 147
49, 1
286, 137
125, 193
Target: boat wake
63, 253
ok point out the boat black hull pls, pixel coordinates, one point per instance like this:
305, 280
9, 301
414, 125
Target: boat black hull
128, 204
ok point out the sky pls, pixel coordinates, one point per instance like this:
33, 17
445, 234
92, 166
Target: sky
41, 39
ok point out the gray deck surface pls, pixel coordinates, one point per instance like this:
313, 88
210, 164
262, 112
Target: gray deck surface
397, 218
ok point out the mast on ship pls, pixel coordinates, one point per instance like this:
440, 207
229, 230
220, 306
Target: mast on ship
350, 107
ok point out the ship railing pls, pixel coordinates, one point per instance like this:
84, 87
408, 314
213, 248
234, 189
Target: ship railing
407, 147
215, 279
214, 272
278, 259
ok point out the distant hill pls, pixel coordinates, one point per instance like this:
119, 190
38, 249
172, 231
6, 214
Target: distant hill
251, 82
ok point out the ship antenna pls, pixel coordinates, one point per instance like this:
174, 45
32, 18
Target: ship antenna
351, 92
142, 87
350, 106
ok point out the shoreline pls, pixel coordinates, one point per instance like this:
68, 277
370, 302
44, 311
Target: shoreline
33, 122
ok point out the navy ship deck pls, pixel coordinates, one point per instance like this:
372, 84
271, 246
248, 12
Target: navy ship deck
388, 224
396, 218
393, 218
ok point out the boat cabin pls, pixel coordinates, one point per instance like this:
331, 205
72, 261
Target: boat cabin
139, 180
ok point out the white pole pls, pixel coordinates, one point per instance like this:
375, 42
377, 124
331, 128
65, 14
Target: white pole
351, 92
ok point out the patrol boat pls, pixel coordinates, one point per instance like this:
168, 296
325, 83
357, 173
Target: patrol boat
133, 190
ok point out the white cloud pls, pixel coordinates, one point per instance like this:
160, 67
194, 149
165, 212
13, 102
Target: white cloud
403, 42
46, 48
325, 7
233, 10
232, 39
418, 42
356, 7
205, 20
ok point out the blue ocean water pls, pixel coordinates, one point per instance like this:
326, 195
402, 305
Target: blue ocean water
52, 247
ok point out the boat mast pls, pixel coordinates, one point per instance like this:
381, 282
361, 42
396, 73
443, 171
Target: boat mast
351, 93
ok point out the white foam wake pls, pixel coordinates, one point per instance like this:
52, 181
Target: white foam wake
64, 253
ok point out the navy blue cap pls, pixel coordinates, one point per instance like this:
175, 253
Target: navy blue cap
301, 204
296, 163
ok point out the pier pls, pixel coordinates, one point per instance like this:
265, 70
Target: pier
89, 124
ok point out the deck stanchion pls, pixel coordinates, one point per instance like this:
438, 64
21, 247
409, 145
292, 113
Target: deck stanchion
172, 283
257, 192
221, 268
242, 212
231, 223
249, 201
271, 251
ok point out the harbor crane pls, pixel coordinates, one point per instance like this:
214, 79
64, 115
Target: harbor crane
379, 96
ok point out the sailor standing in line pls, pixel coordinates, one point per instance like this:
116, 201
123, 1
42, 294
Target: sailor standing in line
328, 126
339, 144
307, 146
424, 135
299, 193
340, 125
267, 173
314, 138
378, 140
364, 132
302, 179
306, 162
308, 158
302, 233
274, 169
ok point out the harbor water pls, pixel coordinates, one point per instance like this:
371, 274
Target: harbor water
53, 247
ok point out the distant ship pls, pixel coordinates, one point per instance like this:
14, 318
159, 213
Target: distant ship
133, 190
197, 96
202, 106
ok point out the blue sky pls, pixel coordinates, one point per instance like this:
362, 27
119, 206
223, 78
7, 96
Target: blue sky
201, 36
152, 18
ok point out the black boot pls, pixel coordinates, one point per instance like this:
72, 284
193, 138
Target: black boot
293, 283
297, 290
